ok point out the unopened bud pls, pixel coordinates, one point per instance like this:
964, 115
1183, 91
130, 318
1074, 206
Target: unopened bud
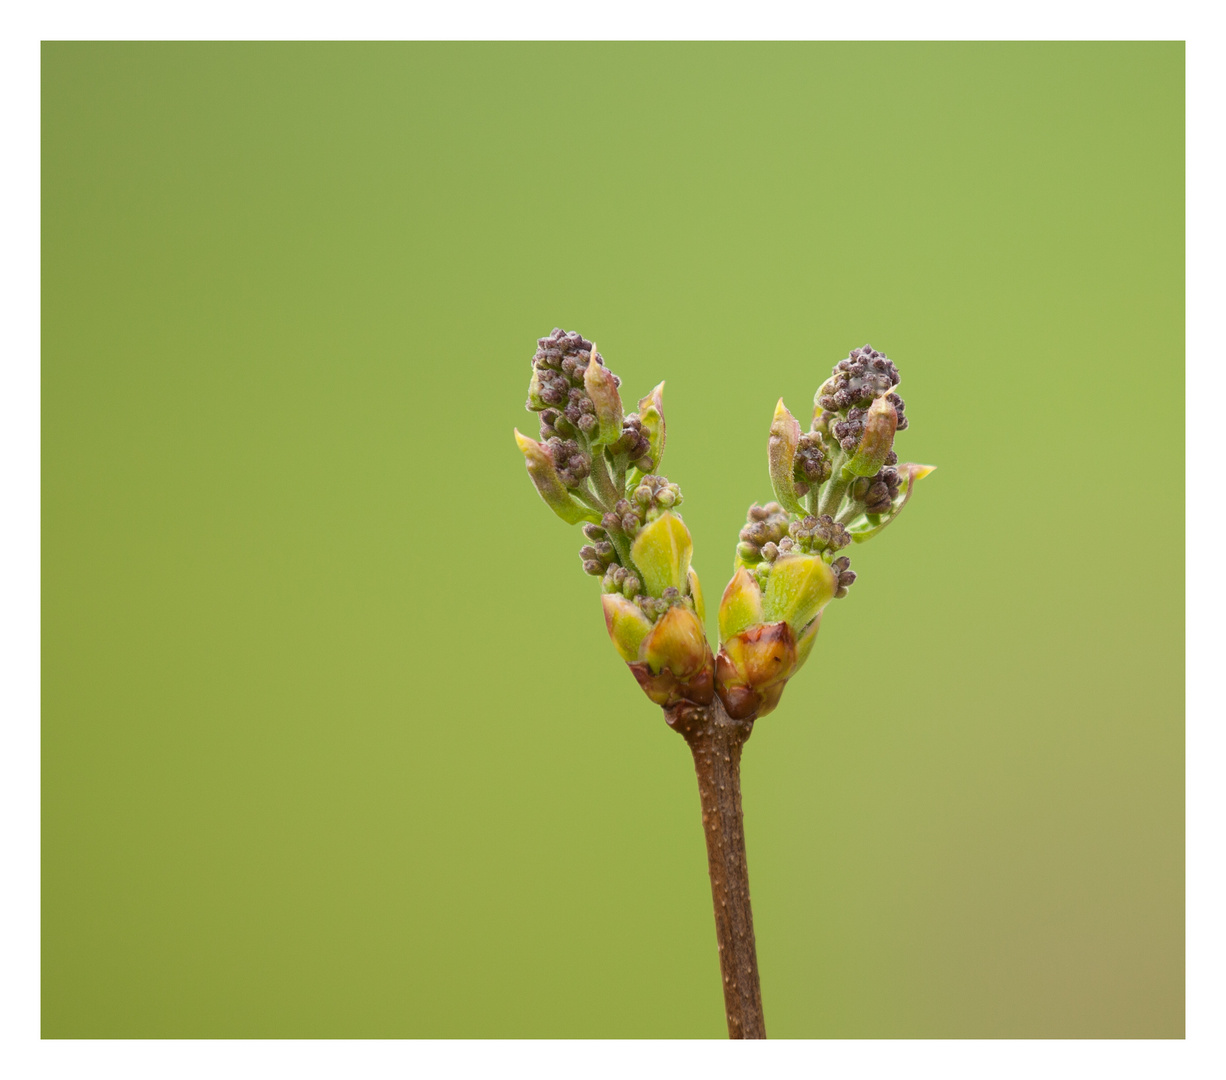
651, 415
752, 661
805, 640
626, 623
677, 643
696, 593
549, 484
741, 606
798, 588
662, 551
781, 451
877, 440
601, 388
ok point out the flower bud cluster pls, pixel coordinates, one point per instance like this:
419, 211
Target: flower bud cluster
878, 492
617, 579
812, 462
765, 525
654, 495
557, 390
842, 567
572, 462
865, 375
654, 607
836, 483
634, 443
811, 536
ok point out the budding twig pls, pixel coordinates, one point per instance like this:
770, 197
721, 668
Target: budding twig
838, 483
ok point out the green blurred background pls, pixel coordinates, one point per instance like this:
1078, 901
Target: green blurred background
334, 743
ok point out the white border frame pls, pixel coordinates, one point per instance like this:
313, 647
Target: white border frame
1202, 1052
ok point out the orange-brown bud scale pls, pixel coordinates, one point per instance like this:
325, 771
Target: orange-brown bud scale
752, 661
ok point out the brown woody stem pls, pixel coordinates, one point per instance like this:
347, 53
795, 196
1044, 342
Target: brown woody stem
715, 740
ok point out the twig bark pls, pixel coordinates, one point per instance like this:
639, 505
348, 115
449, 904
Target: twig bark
715, 740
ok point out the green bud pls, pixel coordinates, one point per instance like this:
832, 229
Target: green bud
797, 588
602, 389
549, 485
741, 606
877, 440
804, 643
662, 551
677, 643
781, 448
651, 418
865, 527
626, 623
535, 402
696, 593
